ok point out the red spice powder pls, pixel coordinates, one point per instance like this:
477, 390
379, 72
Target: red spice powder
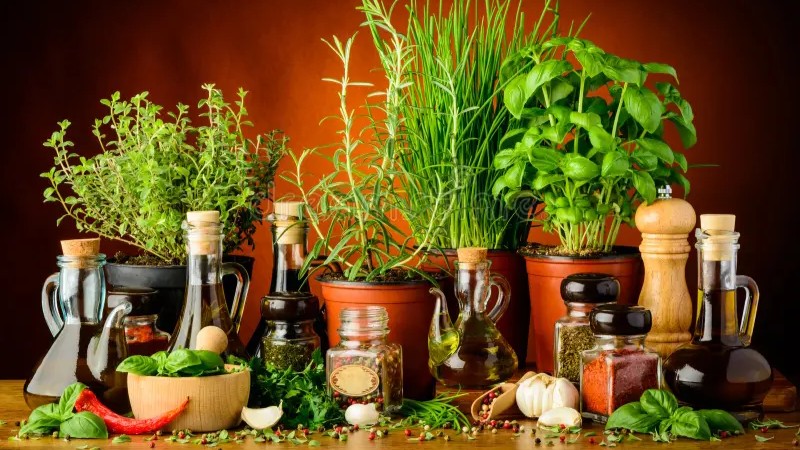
617, 377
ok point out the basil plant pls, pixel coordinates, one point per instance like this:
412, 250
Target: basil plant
588, 140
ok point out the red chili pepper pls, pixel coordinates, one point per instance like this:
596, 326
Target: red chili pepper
87, 401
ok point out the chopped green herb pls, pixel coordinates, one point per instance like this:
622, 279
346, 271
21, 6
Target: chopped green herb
590, 434
121, 439
313, 443
770, 423
760, 438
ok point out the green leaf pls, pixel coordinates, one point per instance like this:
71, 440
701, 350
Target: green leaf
661, 68
592, 61
43, 420
498, 187
84, 425
504, 158
314, 443
719, 420
543, 180
560, 89
680, 158
615, 164
181, 359
579, 167
624, 70
658, 402
632, 417
584, 120
658, 148
760, 438
686, 131
688, 423
121, 439
211, 361
645, 186
542, 73
67, 401
646, 160
644, 106
514, 96
545, 159
139, 365
514, 174
600, 138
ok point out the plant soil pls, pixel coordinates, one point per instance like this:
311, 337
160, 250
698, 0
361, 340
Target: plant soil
549, 250
142, 260
392, 275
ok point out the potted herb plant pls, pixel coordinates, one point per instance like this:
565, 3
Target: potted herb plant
154, 167
453, 120
352, 211
588, 142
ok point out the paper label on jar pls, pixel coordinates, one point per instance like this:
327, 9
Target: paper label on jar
354, 380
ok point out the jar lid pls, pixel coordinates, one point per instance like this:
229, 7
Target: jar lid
620, 320
289, 306
589, 288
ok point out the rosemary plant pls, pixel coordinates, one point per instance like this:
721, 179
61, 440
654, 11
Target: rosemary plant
152, 169
452, 116
350, 209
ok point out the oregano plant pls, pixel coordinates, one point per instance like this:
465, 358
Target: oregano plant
153, 167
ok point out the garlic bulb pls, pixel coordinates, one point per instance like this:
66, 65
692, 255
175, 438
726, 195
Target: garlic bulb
541, 393
361, 415
568, 417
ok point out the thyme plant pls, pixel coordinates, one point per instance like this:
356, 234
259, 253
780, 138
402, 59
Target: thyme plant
152, 169
452, 115
588, 139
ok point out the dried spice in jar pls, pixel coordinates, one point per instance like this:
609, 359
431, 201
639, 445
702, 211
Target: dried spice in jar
619, 368
365, 367
289, 340
581, 292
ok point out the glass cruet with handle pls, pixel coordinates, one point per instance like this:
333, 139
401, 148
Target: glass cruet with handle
472, 353
86, 348
718, 369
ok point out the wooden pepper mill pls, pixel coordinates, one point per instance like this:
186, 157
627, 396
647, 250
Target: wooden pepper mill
665, 226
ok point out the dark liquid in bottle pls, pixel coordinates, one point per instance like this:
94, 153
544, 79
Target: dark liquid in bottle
716, 370
206, 307
79, 355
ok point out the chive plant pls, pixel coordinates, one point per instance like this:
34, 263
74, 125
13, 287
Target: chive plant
453, 118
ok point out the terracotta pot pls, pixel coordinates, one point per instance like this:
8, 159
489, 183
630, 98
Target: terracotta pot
544, 281
515, 323
410, 308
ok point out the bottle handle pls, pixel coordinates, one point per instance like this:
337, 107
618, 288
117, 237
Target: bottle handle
750, 307
503, 296
50, 304
240, 295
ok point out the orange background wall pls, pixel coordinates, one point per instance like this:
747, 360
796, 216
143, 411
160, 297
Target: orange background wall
736, 61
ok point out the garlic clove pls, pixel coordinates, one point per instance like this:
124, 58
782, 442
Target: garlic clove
538, 387
524, 397
562, 415
547, 398
565, 394
262, 418
361, 415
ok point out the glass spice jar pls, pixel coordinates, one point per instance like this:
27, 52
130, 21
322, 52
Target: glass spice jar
581, 292
619, 368
290, 339
142, 335
365, 367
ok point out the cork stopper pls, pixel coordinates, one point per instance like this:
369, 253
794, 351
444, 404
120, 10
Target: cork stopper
81, 247
198, 217
720, 238
204, 232
288, 229
470, 257
719, 222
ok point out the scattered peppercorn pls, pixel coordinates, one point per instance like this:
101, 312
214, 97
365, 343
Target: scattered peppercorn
562, 438
152, 444
446, 437
591, 440
355, 427
537, 441
795, 442
494, 430
723, 434
407, 432
158, 433
372, 435
55, 434
764, 429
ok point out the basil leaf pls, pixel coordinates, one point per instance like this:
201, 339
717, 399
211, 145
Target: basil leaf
84, 425
181, 359
633, 417
67, 401
139, 365
760, 438
659, 403
719, 420
688, 423
121, 439
43, 420
211, 361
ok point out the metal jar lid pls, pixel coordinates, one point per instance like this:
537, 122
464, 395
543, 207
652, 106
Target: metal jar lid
589, 288
620, 320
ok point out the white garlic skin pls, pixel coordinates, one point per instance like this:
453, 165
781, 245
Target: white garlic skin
561, 415
541, 393
361, 415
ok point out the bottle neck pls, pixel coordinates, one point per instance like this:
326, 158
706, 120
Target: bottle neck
580, 310
204, 255
365, 325
717, 318
289, 253
82, 288
472, 286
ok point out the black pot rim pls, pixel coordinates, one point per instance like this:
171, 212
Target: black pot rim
621, 252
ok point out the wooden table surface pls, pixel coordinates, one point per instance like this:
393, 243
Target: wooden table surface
13, 409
